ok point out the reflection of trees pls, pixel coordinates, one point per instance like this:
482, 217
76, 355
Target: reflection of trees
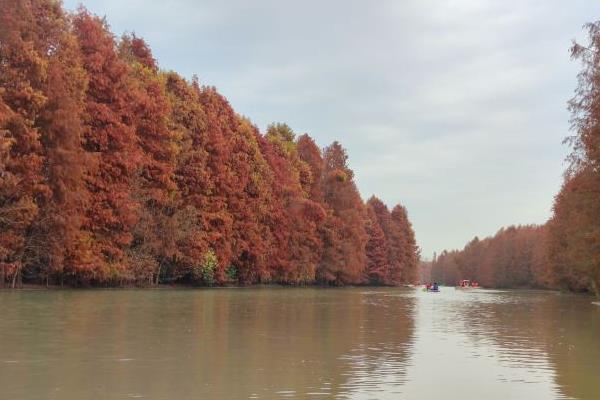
202, 344
575, 348
305, 341
563, 331
378, 359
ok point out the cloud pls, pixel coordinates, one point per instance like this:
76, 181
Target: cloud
455, 108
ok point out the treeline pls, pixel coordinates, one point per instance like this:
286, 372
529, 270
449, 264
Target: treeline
114, 172
514, 257
565, 252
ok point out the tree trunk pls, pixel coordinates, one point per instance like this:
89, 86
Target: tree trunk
595, 288
14, 279
158, 274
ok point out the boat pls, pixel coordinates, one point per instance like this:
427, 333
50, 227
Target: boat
431, 288
466, 284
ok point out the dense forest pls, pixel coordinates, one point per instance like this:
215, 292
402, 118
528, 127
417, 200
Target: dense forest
565, 252
514, 257
115, 172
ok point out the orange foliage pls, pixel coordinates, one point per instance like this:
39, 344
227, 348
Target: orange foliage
114, 172
565, 252
514, 257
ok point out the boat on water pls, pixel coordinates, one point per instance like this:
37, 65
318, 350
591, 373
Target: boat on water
466, 284
431, 288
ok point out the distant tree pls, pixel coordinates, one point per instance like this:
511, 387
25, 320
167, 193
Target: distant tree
447, 269
425, 271
514, 257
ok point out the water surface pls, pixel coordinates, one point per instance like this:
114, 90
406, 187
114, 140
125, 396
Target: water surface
271, 343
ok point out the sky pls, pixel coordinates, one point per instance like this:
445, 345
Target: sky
457, 109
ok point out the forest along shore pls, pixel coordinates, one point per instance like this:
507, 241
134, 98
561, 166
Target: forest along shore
117, 173
114, 172
563, 253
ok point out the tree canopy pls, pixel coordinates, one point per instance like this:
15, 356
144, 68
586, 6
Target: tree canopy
115, 172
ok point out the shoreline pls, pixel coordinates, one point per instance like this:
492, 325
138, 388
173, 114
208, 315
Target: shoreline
180, 286
38, 287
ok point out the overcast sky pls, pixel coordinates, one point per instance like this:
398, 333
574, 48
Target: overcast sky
456, 109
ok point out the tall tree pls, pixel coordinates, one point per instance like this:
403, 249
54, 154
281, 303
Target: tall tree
252, 206
28, 36
377, 250
110, 139
191, 174
235, 197
574, 233
309, 152
153, 185
393, 241
62, 247
296, 217
404, 236
345, 238
574, 229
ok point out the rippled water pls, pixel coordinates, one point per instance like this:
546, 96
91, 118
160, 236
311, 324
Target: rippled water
270, 343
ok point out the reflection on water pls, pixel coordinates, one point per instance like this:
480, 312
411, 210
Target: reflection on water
298, 343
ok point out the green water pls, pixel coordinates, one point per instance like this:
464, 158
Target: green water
270, 343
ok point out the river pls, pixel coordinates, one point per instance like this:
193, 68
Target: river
271, 343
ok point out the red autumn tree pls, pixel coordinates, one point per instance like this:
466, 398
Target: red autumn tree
150, 118
574, 243
377, 250
28, 32
408, 251
188, 122
296, 218
574, 234
251, 207
62, 248
153, 186
110, 138
345, 238
235, 198
309, 152
393, 243
514, 257
114, 172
